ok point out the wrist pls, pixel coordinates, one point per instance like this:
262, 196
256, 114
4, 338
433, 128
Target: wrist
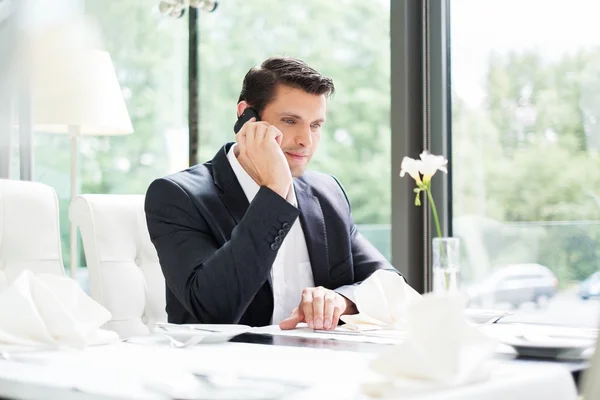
350, 307
283, 192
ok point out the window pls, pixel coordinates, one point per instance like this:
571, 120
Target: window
346, 40
525, 142
149, 53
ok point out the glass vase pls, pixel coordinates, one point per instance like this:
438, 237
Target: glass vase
446, 264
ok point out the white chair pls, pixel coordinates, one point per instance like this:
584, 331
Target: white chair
590, 384
29, 230
123, 267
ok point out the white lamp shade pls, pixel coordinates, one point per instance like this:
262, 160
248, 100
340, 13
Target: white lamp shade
77, 89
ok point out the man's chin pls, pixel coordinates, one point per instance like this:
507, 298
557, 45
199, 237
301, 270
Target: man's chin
297, 172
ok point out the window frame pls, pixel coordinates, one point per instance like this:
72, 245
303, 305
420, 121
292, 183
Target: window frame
421, 119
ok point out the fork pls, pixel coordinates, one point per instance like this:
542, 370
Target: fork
165, 327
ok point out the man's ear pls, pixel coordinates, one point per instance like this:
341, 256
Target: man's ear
242, 105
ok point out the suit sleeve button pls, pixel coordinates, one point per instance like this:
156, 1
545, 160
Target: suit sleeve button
274, 246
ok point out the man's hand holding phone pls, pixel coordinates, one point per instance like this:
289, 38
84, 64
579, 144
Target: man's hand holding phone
261, 156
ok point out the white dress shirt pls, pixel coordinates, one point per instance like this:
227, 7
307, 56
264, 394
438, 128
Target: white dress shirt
291, 271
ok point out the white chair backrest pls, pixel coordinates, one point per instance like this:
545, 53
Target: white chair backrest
124, 271
29, 230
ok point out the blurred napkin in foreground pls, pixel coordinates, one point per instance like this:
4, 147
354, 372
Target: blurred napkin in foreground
382, 301
441, 349
50, 311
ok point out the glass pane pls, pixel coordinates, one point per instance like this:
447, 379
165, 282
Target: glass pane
526, 135
15, 158
149, 55
345, 40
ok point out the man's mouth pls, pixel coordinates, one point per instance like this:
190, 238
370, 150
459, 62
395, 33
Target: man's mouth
297, 156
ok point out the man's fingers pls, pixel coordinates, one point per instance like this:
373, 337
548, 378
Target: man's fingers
306, 307
240, 137
246, 126
293, 320
260, 133
337, 312
274, 133
248, 131
254, 133
330, 297
241, 141
318, 306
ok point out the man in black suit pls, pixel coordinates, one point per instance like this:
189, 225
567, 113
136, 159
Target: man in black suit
250, 237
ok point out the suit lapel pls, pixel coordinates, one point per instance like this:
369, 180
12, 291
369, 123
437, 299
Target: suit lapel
231, 193
313, 225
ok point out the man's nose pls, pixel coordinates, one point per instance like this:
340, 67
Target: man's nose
304, 136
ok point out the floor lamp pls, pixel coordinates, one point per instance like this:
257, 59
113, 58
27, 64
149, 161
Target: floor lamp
78, 94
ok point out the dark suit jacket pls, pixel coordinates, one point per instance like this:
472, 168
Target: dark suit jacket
216, 250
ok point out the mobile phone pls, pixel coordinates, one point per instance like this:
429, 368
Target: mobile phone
245, 117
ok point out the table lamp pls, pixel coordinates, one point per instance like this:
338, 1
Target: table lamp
77, 93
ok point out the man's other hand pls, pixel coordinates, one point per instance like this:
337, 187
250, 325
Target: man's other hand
320, 308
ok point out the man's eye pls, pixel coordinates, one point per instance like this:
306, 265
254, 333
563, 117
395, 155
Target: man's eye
316, 126
288, 121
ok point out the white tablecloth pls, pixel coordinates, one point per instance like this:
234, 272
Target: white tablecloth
142, 371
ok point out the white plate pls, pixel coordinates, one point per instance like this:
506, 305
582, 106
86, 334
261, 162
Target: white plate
548, 347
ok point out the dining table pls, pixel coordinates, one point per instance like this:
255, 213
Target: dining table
263, 364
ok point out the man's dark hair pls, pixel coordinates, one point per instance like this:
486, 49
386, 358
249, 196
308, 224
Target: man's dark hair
260, 82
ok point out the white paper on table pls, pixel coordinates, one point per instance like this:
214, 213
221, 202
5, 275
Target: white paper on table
382, 301
48, 311
364, 336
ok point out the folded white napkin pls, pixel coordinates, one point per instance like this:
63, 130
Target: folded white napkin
50, 311
441, 348
382, 301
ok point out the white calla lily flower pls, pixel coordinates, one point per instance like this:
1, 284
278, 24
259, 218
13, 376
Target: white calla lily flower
412, 167
430, 164
426, 167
